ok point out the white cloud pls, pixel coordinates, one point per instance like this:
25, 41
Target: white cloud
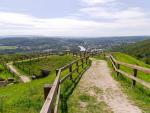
21, 24
100, 12
99, 20
96, 2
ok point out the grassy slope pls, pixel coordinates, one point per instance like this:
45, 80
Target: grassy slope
4, 73
7, 58
128, 59
140, 50
43, 63
28, 98
139, 94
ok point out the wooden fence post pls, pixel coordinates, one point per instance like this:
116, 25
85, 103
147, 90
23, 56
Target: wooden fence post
82, 63
84, 54
113, 63
77, 65
104, 56
90, 63
86, 60
135, 75
57, 70
118, 67
80, 55
47, 88
70, 70
30, 61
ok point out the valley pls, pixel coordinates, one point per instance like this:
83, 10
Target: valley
23, 76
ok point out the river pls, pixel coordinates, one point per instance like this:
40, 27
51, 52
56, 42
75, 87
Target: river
82, 48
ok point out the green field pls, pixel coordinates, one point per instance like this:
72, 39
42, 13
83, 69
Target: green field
35, 66
7, 47
131, 60
139, 94
29, 98
4, 73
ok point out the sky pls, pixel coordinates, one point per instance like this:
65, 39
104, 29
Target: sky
76, 18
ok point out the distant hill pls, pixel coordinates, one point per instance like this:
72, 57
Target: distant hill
140, 49
23, 44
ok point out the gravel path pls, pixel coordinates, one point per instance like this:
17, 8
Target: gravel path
23, 78
14, 70
99, 75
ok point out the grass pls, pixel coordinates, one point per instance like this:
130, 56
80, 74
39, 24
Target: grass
139, 94
131, 60
35, 66
86, 98
7, 47
29, 98
4, 73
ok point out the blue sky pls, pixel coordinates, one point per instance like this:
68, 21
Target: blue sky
75, 17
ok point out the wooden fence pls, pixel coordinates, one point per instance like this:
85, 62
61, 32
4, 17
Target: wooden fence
116, 65
52, 92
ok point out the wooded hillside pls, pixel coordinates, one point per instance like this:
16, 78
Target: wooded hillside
141, 50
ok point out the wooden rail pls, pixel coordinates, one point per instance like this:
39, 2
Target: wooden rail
53, 97
116, 65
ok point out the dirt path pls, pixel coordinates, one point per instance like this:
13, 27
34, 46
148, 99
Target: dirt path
23, 78
99, 75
